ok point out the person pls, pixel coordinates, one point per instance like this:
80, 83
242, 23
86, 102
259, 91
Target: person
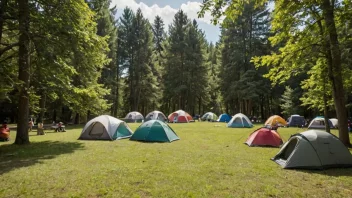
40, 130
30, 124
60, 127
4, 132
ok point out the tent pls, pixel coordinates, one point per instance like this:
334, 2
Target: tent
275, 119
313, 149
105, 127
180, 116
319, 123
224, 118
134, 116
240, 121
209, 116
154, 131
296, 121
334, 122
264, 137
156, 115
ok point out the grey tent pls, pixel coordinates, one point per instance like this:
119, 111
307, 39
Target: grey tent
156, 115
296, 121
105, 127
319, 123
313, 149
134, 116
335, 122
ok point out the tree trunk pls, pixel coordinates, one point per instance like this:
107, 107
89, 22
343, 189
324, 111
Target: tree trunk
22, 136
54, 115
116, 97
3, 6
42, 102
77, 118
326, 119
335, 73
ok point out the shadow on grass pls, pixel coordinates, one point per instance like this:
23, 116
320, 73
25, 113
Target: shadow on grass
18, 156
333, 172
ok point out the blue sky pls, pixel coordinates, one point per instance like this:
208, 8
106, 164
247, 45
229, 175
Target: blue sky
167, 9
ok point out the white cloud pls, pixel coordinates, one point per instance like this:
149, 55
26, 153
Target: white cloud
166, 13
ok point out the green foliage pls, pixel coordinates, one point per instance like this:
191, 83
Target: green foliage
242, 86
135, 60
287, 105
185, 73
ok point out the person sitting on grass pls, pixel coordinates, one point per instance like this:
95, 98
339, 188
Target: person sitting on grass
60, 127
4, 132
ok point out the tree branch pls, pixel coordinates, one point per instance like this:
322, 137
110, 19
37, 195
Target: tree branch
2, 51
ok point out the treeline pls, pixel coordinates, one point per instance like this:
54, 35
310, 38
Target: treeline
71, 60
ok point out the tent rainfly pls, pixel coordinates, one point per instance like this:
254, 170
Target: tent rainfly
154, 131
180, 116
240, 121
105, 127
275, 119
313, 149
224, 118
264, 137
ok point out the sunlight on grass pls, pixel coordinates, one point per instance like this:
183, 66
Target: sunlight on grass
209, 160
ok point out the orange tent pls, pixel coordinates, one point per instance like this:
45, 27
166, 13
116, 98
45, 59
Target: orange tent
275, 119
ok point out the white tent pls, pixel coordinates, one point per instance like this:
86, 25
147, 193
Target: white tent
156, 115
105, 127
319, 123
313, 150
240, 121
134, 116
210, 116
334, 122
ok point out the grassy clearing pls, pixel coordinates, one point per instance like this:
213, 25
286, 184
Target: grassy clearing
210, 160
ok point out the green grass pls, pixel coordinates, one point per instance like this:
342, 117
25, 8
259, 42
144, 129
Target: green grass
210, 160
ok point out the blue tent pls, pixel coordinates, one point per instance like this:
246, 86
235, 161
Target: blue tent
224, 118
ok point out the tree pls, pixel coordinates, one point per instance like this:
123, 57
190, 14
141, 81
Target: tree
287, 104
23, 72
185, 73
302, 29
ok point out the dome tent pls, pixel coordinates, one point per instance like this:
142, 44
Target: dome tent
134, 116
105, 127
296, 121
180, 116
275, 119
224, 118
334, 122
156, 115
264, 137
319, 123
313, 149
154, 131
240, 121
209, 116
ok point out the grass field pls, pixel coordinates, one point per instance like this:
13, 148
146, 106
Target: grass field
210, 160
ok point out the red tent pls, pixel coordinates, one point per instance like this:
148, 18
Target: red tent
264, 137
180, 116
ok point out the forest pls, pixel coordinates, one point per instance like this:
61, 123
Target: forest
71, 60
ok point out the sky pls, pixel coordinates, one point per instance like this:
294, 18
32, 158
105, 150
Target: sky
166, 9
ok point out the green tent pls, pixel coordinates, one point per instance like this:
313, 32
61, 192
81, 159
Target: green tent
154, 131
